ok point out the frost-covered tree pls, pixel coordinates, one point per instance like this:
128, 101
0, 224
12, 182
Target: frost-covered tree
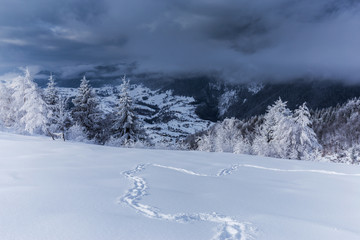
287, 135
86, 112
306, 145
51, 95
6, 111
284, 134
64, 121
17, 90
230, 135
29, 109
273, 133
227, 135
279, 133
52, 100
126, 129
243, 146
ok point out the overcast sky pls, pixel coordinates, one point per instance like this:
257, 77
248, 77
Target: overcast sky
242, 39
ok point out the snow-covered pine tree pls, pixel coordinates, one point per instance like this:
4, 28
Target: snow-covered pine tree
126, 129
65, 120
17, 90
51, 98
306, 145
6, 118
51, 95
29, 107
86, 112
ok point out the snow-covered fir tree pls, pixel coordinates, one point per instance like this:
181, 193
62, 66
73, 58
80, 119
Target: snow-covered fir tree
306, 145
52, 100
126, 129
86, 112
29, 109
17, 90
51, 94
64, 121
6, 116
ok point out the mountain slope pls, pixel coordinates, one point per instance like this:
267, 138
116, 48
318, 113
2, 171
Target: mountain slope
166, 117
64, 190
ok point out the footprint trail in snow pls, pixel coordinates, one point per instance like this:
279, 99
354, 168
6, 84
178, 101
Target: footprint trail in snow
229, 228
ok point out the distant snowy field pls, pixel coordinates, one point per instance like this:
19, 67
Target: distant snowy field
65, 190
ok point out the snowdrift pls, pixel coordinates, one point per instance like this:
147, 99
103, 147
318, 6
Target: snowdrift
63, 190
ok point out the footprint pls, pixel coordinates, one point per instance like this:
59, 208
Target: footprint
229, 228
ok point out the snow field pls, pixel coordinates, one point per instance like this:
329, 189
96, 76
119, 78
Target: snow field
56, 190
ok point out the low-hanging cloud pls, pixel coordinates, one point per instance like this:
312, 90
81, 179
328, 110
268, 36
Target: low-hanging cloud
241, 39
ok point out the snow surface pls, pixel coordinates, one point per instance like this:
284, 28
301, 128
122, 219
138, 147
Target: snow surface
65, 190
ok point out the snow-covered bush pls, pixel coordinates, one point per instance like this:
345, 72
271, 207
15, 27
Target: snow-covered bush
77, 133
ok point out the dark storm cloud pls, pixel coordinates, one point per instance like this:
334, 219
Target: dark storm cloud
242, 39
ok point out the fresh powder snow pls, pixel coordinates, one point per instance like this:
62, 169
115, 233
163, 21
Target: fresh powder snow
58, 190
